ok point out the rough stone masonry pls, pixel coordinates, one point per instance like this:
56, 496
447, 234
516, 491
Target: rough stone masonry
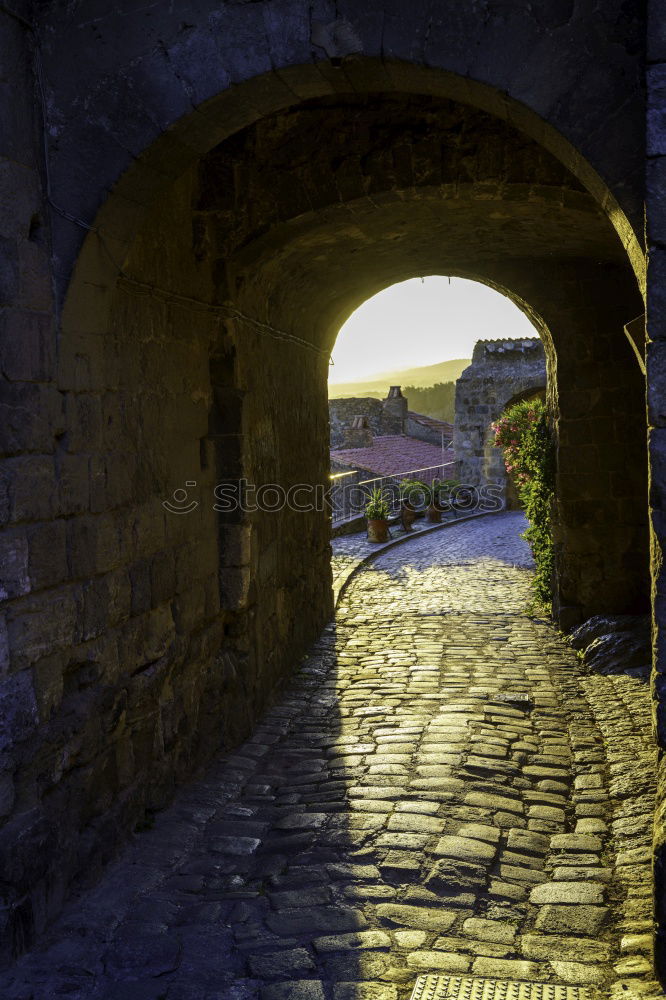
194, 198
440, 789
501, 373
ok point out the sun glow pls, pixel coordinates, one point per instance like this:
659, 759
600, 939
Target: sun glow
423, 321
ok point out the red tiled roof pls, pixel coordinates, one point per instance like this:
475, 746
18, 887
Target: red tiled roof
393, 454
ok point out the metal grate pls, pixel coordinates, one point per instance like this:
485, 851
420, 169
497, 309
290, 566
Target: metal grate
434, 987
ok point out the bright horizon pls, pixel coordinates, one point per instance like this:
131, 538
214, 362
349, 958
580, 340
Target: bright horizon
421, 322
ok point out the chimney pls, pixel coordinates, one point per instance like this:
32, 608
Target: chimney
358, 434
394, 412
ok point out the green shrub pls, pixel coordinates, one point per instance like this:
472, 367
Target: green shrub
525, 437
440, 493
414, 492
378, 508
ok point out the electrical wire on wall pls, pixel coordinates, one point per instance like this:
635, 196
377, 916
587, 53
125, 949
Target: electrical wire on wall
230, 311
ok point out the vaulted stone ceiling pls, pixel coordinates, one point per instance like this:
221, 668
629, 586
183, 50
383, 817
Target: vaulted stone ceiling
331, 201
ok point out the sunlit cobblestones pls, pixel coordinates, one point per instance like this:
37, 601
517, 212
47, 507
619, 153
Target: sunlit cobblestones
439, 789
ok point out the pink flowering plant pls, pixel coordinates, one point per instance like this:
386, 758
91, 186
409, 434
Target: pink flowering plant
523, 433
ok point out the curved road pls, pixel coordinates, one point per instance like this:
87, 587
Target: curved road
439, 790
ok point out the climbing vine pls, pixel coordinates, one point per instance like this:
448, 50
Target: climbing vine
522, 432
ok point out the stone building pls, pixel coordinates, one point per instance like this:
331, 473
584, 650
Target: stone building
384, 416
429, 429
502, 372
372, 438
343, 412
195, 196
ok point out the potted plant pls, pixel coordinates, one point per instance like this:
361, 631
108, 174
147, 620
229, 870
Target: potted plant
377, 512
436, 502
448, 495
413, 496
461, 497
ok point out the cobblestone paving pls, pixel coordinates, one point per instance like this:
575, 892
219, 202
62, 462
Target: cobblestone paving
440, 789
350, 550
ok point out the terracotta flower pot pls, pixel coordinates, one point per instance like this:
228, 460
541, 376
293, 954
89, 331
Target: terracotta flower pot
434, 514
407, 516
377, 530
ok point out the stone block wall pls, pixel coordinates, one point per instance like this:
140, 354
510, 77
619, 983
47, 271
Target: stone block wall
39, 484
383, 416
341, 413
140, 639
502, 372
655, 361
425, 432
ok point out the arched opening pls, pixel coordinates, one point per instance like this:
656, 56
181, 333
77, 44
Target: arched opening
272, 240
283, 230
417, 334
202, 337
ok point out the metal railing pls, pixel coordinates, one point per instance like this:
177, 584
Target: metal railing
349, 493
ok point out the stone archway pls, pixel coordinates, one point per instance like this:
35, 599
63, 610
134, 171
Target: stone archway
196, 255
265, 246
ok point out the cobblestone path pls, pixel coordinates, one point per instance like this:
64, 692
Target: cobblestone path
350, 550
439, 789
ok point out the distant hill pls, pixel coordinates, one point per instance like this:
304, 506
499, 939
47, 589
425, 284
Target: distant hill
378, 385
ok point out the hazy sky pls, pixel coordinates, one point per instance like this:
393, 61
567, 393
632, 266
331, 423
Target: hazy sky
420, 322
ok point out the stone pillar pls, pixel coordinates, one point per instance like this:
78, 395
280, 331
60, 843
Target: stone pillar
655, 363
394, 412
597, 397
502, 372
40, 478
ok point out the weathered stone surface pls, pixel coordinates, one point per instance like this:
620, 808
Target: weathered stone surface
551, 946
567, 892
316, 907
158, 953
364, 991
447, 961
281, 963
601, 625
316, 918
526, 840
298, 989
418, 917
301, 821
582, 842
506, 890
500, 372
465, 849
577, 972
480, 831
362, 940
619, 651
489, 930
494, 802
449, 877
505, 968
571, 919
637, 965
416, 823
